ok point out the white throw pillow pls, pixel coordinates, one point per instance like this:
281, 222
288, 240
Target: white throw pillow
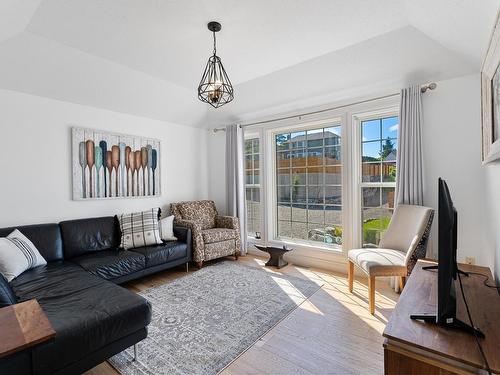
167, 229
140, 229
18, 254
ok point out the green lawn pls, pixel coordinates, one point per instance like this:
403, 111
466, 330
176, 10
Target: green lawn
372, 226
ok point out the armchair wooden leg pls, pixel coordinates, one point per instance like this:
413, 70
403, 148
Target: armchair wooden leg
199, 264
236, 255
371, 294
401, 284
350, 275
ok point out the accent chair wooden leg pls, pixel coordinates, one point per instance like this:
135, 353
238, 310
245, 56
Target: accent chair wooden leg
401, 284
236, 255
371, 294
199, 264
350, 275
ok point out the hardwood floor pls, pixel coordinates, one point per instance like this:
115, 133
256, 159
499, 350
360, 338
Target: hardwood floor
332, 332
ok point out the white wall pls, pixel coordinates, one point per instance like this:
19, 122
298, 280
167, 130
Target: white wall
35, 159
452, 150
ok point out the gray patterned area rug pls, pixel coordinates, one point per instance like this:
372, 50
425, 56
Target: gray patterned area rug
203, 321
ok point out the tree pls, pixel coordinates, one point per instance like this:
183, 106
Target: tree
281, 141
387, 148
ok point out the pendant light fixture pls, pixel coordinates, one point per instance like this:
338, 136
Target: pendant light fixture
215, 87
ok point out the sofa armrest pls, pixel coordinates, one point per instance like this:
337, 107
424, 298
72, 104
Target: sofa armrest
196, 242
183, 234
191, 224
228, 222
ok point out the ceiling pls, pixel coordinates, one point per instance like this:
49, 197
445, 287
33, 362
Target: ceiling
145, 57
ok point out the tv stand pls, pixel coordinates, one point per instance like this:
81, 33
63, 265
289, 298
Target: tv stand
413, 347
428, 268
453, 323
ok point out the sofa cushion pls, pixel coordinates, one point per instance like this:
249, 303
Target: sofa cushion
161, 254
218, 234
86, 312
111, 264
53, 280
89, 235
379, 262
46, 238
203, 212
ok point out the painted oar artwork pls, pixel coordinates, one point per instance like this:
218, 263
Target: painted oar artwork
107, 165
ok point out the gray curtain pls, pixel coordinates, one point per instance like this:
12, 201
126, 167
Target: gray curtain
409, 179
235, 179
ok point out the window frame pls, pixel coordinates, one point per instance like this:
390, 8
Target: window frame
358, 183
248, 136
271, 135
349, 114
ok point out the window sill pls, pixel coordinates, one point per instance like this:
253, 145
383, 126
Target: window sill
308, 245
297, 244
332, 259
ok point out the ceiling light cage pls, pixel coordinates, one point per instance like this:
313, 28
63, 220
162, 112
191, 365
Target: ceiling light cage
215, 88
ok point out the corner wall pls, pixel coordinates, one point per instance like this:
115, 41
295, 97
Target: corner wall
35, 160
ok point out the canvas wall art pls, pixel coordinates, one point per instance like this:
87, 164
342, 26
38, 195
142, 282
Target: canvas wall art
108, 165
490, 98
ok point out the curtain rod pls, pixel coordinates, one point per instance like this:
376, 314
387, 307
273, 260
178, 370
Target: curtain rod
423, 89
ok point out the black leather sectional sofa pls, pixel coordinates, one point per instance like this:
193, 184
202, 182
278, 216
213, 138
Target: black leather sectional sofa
93, 317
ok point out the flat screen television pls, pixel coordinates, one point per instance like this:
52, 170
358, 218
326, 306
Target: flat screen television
447, 255
447, 267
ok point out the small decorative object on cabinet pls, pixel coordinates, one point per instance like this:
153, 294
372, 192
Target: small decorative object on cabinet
276, 255
108, 165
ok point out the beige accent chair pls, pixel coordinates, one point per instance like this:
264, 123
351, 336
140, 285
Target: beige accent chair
404, 242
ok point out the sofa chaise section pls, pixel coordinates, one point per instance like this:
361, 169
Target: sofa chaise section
91, 317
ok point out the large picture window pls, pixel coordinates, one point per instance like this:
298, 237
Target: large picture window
252, 186
379, 143
309, 185
323, 184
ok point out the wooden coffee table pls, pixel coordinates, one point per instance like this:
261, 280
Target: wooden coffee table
23, 325
276, 255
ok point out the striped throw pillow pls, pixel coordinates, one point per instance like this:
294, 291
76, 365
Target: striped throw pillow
140, 229
18, 254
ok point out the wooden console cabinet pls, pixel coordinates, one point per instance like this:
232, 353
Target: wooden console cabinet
413, 347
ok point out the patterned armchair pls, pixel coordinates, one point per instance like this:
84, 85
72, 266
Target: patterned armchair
214, 236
